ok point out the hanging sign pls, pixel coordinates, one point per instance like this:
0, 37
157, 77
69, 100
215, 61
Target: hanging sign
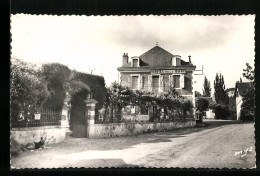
167, 71
37, 116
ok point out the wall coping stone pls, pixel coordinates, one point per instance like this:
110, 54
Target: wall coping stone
102, 124
37, 128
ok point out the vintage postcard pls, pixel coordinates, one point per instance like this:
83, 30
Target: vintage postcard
132, 91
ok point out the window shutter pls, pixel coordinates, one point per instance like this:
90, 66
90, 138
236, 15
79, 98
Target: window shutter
150, 82
141, 81
129, 81
171, 80
161, 83
182, 84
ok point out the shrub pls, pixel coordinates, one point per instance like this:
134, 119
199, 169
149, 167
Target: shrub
202, 104
221, 111
16, 148
96, 84
233, 115
247, 115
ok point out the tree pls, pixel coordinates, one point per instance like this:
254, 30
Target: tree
221, 111
207, 89
220, 95
28, 89
249, 73
248, 105
57, 77
202, 104
197, 94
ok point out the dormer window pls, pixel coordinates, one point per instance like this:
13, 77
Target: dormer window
173, 61
135, 62
176, 60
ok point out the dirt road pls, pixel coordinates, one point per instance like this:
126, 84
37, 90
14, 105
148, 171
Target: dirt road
216, 144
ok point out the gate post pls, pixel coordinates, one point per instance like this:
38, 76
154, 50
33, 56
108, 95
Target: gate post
90, 113
64, 112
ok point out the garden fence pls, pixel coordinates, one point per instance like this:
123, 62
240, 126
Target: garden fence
44, 117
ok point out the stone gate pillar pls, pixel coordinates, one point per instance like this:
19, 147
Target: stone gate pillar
90, 113
64, 112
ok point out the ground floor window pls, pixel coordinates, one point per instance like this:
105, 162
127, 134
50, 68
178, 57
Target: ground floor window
176, 81
134, 82
166, 82
155, 82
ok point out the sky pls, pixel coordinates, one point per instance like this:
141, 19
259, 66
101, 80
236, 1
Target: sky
222, 44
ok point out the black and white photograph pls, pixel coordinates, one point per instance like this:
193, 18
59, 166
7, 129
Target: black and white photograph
132, 91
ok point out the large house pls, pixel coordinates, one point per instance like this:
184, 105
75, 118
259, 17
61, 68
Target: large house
158, 70
240, 91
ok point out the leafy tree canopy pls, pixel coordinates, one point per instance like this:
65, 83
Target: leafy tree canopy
202, 104
249, 97
28, 89
221, 96
206, 88
249, 73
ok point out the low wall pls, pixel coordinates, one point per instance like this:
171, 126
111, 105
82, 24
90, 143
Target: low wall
52, 134
124, 129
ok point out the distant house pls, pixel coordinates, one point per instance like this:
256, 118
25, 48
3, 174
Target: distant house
240, 91
209, 113
230, 92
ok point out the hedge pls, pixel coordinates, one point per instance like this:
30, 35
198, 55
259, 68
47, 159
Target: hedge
96, 84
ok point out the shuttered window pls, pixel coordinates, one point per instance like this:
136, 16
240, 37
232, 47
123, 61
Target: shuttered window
134, 82
176, 81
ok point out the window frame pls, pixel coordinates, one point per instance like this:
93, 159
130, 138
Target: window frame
158, 82
138, 81
176, 74
169, 81
138, 61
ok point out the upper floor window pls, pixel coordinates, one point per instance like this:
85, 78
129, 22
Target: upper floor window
135, 62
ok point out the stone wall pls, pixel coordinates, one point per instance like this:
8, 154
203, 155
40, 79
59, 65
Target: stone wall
125, 129
52, 134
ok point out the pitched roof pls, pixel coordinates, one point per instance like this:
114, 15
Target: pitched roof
157, 56
242, 87
230, 89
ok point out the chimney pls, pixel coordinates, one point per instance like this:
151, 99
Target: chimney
125, 59
189, 59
